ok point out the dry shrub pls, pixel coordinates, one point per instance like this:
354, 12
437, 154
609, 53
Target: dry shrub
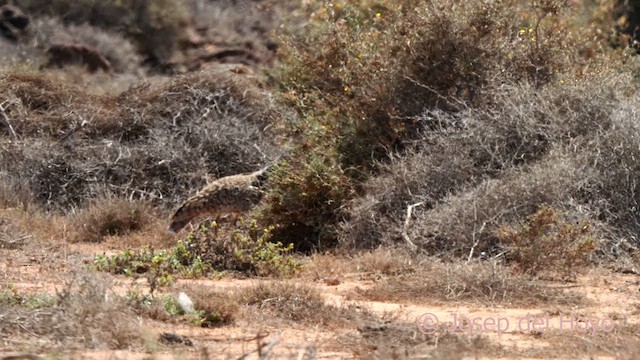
477, 281
154, 25
41, 106
86, 314
120, 52
614, 153
391, 61
110, 216
297, 303
483, 46
417, 177
214, 308
154, 142
548, 242
467, 221
477, 165
14, 196
240, 24
466, 89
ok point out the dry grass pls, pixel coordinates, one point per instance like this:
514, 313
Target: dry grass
397, 342
120, 52
85, 315
25, 227
110, 217
295, 303
215, 308
479, 281
621, 342
383, 261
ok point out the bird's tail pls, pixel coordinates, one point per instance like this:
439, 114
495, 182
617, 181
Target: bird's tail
177, 225
194, 206
181, 218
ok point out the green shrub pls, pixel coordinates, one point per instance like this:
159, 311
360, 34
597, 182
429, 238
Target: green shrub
247, 249
305, 194
362, 76
244, 250
10, 296
160, 266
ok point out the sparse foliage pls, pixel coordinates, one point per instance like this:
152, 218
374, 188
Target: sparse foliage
205, 250
549, 243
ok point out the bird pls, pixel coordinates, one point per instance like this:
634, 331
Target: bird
229, 195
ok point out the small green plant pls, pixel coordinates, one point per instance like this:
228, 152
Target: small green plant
137, 299
11, 296
160, 266
171, 306
247, 249
549, 242
211, 309
204, 252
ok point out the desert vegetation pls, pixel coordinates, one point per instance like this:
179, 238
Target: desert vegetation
425, 154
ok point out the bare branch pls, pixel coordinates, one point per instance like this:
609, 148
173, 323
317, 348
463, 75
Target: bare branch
407, 220
6, 120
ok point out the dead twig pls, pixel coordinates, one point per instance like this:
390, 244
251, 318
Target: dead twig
473, 235
6, 120
268, 348
262, 352
405, 235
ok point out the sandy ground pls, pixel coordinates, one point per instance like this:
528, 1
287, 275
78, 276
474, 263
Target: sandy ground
605, 326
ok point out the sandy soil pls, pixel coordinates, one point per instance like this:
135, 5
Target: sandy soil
605, 326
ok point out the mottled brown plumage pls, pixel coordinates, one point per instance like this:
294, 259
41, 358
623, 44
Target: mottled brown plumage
230, 195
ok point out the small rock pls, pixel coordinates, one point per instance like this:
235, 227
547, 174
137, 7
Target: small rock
172, 338
185, 303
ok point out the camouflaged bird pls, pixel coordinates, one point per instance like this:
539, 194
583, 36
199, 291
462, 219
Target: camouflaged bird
230, 195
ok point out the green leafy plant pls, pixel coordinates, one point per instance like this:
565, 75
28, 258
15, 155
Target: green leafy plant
205, 251
11, 296
159, 265
246, 249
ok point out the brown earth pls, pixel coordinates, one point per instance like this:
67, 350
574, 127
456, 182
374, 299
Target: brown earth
540, 331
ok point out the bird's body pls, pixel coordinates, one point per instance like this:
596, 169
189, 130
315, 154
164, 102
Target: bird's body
230, 195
